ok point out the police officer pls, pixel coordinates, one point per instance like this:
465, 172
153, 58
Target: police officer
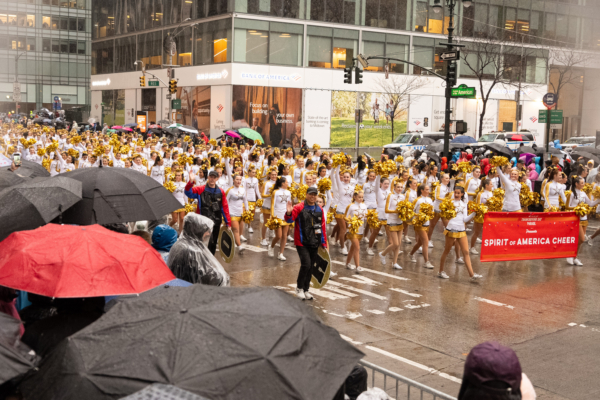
309, 233
212, 203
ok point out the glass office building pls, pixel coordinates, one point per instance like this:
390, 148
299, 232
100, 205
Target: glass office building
52, 41
277, 65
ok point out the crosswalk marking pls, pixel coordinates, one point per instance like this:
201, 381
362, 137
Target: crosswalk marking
365, 292
406, 292
361, 279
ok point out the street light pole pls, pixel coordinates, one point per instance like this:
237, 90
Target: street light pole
17, 80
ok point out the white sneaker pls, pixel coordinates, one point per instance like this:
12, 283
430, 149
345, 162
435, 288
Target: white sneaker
406, 240
370, 251
428, 265
350, 266
396, 266
345, 251
586, 238
375, 241
300, 294
332, 274
431, 245
347, 244
358, 270
250, 230
264, 242
590, 242
460, 261
290, 239
443, 275
380, 233
473, 250
365, 239
420, 250
413, 258
577, 262
308, 296
570, 261
241, 248
382, 258
271, 233
243, 238
281, 257
475, 277
270, 251
478, 240
468, 229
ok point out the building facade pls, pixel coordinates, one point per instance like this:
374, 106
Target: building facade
277, 65
51, 41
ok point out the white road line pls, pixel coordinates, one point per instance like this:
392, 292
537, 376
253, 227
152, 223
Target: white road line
255, 249
415, 364
347, 339
492, 302
340, 291
378, 312
394, 309
323, 293
365, 292
406, 292
384, 274
361, 279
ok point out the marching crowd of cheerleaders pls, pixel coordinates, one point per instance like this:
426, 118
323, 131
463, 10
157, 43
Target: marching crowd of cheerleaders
361, 197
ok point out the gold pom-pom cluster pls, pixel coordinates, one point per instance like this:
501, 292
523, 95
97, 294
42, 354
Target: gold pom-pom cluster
331, 214
425, 214
227, 152
434, 186
582, 209
464, 166
405, 210
499, 161
399, 159
373, 219
248, 216
385, 168
259, 203
552, 209
73, 153
170, 186
190, 207
596, 192
354, 224
587, 189
479, 209
526, 196
324, 185
274, 223
338, 159
212, 142
447, 209
496, 202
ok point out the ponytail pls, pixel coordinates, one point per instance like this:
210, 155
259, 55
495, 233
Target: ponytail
278, 183
420, 188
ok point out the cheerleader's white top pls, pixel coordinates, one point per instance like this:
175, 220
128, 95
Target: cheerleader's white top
280, 199
359, 210
420, 201
390, 208
237, 200
457, 224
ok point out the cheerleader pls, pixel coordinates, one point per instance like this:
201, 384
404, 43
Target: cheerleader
432, 175
266, 207
238, 202
382, 186
370, 197
57, 165
393, 227
322, 173
69, 164
250, 184
356, 208
455, 232
594, 186
157, 172
410, 194
421, 231
482, 197
473, 183
297, 172
440, 194
345, 192
279, 201
178, 215
512, 189
360, 171
554, 190
576, 197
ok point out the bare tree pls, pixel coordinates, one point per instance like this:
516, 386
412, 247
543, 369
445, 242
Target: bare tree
565, 68
397, 92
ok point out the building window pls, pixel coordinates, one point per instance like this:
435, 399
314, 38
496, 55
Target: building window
64, 23
30, 44
81, 24
183, 46
277, 8
55, 46
72, 24
285, 44
46, 45
64, 46
329, 47
149, 49
422, 54
213, 42
265, 42
394, 46
124, 54
102, 57
12, 19
72, 46
209, 8
103, 15
81, 47
46, 22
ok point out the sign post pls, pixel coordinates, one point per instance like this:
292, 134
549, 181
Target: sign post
550, 100
141, 118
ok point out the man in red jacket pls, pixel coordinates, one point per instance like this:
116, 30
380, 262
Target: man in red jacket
309, 233
212, 203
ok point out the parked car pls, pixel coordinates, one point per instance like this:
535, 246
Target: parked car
578, 141
512, 139
407, 140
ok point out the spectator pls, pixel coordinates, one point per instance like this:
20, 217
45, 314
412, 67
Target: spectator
144, 235
163, 238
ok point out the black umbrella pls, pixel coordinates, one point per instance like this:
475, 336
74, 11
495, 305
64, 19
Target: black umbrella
424, 141
10, 328
112, 195
433, 156
217, 342
159, 391
500, 149
29, 169
9, 178
525, 149
587, 156
33, 204
551, 150
16, 358
587, 149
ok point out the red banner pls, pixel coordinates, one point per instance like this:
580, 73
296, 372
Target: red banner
529, 236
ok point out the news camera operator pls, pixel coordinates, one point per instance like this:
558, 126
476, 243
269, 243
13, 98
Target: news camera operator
309, 233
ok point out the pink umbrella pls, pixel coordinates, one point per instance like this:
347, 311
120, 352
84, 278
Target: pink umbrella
127, 129
116, 127
233, 134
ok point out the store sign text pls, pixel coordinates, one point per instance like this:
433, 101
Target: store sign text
213, 75
273, 77
101, 83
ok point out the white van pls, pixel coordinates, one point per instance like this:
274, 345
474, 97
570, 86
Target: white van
407, 140
580, 141
513, 139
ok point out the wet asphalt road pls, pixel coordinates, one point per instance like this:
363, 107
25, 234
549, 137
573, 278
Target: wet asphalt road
422, 327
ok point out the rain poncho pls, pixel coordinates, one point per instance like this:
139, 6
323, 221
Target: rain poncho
190, 258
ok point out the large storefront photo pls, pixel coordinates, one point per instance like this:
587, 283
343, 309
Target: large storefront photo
195, 107
275, 113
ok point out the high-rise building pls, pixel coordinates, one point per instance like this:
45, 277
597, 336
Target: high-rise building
45, 46
278, 65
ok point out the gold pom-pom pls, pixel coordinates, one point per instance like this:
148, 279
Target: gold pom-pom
587, 189
338, 159
582, 209
41, 151
385, 168
248, 216
259, 203
499, 161
525, 195
358, 188
399, 159
301, 192
464, 167
273, 223
447, 209
479, 209
258, 142
324, 185
425, 214
552, 209
212, 142
98, 151
373, 219
73, 153
186, 138
190, 207
227, 152
51, 147
170, 186
434, 186
46, 164
496, 202
354, 224
316, 147
405, 210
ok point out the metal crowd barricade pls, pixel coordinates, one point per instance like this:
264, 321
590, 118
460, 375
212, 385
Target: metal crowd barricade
401, 387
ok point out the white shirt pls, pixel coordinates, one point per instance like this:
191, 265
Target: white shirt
420, 201
179, 192
457, 224
280, 200
359, 210
237, 200
512, 189
158, 174
390, 208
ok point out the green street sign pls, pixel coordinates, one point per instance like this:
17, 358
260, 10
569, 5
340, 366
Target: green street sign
556, 117
176, 104
464, 91
152, 83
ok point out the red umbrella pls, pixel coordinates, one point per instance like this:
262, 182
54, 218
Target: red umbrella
517, 138
80, 261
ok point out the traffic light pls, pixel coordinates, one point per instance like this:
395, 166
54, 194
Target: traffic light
348, 75
142, 80
358, 75
451, 74
172, 86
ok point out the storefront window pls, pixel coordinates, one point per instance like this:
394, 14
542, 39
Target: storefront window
108, 107
212, 42
102, 56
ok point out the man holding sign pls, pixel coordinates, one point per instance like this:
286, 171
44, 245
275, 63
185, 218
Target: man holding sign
309, 236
